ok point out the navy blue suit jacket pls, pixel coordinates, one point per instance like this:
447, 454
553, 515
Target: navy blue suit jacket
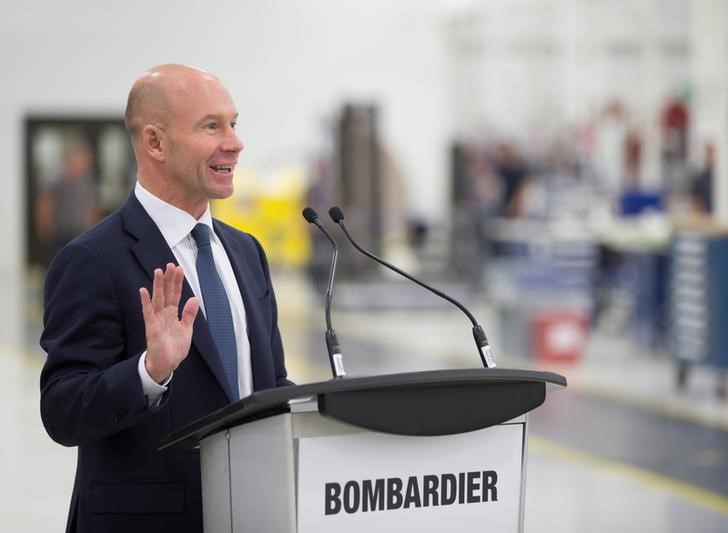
91, 393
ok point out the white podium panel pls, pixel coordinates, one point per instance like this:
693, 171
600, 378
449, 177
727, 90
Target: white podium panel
377, 482
427, 452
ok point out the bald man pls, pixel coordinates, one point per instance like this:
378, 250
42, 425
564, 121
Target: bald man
158, 315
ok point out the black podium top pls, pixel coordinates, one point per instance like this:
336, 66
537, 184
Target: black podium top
440, 402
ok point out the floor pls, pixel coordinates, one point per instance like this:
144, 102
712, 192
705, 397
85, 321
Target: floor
619, 450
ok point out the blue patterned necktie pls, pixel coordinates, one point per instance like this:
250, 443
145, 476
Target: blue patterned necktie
217, 307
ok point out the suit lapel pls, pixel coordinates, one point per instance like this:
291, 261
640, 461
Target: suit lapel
152, 251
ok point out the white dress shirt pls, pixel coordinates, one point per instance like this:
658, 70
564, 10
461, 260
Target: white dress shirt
175, 226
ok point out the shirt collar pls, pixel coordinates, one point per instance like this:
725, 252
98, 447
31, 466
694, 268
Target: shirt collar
174, 223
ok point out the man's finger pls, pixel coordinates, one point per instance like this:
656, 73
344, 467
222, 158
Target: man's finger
179, 276
146, 304
169, 280
189, 312
158, 291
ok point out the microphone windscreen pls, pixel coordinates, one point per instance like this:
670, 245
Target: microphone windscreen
310, 214
336, 214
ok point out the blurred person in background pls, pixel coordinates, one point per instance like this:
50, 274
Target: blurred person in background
513, 176
632, 160
130, 358
67, 206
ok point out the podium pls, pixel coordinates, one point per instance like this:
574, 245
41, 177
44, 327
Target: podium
421, 451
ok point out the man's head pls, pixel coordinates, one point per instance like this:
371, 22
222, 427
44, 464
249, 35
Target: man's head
182, 124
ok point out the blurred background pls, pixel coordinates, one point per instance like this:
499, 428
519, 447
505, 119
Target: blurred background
561, 166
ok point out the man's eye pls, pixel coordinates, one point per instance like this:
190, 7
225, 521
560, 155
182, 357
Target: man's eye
233, 124
211, 126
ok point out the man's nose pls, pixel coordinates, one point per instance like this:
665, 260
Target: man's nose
232, 142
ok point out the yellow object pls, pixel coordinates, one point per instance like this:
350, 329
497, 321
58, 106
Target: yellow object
269, 207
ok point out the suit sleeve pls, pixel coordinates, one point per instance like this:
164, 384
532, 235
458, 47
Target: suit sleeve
90, 386
281, 375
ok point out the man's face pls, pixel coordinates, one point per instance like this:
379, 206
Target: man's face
202, 145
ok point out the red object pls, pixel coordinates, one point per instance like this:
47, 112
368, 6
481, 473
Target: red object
559, 336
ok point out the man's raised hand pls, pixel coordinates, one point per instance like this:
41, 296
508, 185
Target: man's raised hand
168, 335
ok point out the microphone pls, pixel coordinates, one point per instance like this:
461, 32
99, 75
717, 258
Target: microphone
481, 340
332, 342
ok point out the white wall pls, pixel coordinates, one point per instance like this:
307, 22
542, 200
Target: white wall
288, 64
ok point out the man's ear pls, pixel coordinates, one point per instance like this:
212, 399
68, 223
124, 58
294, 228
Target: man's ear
154, 143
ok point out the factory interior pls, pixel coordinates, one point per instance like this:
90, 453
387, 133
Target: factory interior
560, 167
